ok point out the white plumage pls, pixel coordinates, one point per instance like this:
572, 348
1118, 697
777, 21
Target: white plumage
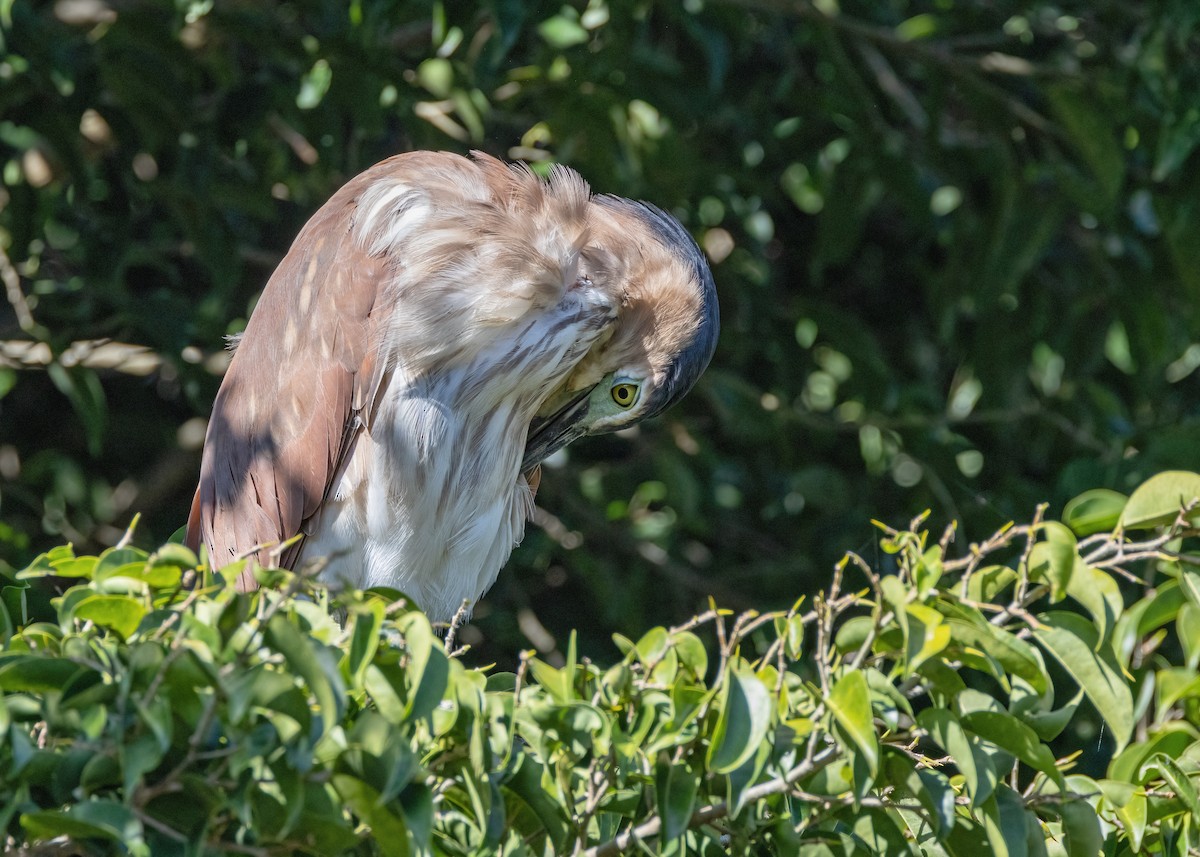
382, 397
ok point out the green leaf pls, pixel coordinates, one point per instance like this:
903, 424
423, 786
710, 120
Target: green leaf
1095, 511
429, 668
1134, 816
118, 612
36, 673
943, 726
436, 74
970, 628
692, 654
1189, 582
69, 566
744, 713
388, 830
1011, 815
928, 571
104, 819
1049, 724
876, 830
927, 785
364, 640
114, 560
1187, 624
1055, 559
525, 784
850, 703
675, 786
652, 646
987, 583
928, 635
1158, 501
1073, 641
852, 633
1177, 779
1082, 827
1171, 740
1174, 684
561, 32
1013, 736
323, 679
741, 779
1099, 594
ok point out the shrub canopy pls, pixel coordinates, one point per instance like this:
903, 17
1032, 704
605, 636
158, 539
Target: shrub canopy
919, 705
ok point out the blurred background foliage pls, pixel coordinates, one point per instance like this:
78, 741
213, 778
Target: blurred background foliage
957, 245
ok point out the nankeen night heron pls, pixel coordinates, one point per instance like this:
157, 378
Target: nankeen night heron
439, 327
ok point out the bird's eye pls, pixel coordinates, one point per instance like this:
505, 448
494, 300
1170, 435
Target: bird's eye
625, 395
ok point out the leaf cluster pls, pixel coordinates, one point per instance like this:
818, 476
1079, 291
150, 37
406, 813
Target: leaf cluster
151, 709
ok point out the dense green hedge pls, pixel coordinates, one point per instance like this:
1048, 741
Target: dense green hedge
913, 707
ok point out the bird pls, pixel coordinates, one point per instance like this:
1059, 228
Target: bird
438, 328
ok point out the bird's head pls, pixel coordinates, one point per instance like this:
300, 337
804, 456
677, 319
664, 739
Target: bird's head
663, 337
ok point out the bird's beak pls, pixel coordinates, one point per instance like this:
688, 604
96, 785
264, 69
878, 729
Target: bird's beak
549, 434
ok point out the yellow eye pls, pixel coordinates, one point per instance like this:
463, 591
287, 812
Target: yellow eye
625, 395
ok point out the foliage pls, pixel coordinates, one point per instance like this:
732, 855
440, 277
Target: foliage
152, 709
955, 245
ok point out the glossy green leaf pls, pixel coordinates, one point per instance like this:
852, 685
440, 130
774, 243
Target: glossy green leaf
652, 646
1073, 641
744, 714
388, 830
928, 634
970, 627
1094, 511
944, 728
989, 582
524, 783
1187, 624
692, 654
1171, 740
1134, 816
364, 640
1098, 592
1010, 822
31, 673
322, 678
102, 819
429, 668
1159, 500
1011, 735
1084, 837
927, 785
849, 702
675, 787
1055, 559
118, 612
1176, 779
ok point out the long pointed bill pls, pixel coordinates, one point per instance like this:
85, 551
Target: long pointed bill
547, 435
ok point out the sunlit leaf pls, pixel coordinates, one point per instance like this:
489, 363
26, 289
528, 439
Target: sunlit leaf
1094, 511
850, 703
1159, 500
1073, 641
744, 713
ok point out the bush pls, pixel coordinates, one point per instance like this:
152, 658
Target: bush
151, 709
